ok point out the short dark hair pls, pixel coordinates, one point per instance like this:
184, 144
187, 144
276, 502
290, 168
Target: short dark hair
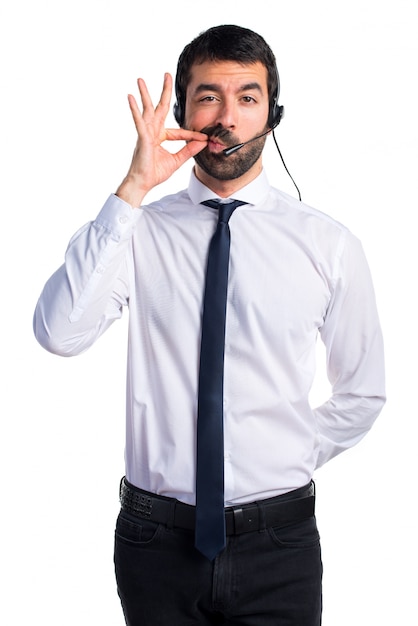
224, 43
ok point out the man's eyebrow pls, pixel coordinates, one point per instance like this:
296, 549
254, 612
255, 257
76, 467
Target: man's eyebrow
216, 88
206, 87
251, 87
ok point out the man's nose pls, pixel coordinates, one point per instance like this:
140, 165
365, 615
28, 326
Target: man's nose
227, 116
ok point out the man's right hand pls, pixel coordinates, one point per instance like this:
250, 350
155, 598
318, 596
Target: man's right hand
151, 163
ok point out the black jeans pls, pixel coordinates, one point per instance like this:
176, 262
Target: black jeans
271, 577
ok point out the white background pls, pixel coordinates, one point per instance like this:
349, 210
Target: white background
348, 73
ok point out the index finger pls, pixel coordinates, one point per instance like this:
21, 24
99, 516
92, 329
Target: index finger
178, 134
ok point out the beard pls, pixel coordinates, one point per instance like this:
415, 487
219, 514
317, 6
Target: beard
223, 167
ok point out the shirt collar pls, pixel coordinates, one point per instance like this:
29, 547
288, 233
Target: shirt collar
252, 193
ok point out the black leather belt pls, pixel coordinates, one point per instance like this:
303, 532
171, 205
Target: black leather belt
279, 511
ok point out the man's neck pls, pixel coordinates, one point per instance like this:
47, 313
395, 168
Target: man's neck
227, 188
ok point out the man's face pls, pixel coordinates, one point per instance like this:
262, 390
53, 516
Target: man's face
230, 103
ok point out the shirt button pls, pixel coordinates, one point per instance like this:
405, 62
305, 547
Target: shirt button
123, 219
100, 269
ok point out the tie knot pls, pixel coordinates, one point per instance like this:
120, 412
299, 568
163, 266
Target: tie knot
225, 209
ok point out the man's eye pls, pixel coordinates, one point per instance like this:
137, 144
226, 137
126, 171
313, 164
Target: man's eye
248, 99
208, 99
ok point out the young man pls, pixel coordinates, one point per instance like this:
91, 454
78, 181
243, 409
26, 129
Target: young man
293, 273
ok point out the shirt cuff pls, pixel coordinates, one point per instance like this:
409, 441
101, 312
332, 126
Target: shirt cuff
118, 217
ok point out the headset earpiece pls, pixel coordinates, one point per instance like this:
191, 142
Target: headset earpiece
276, 114
276, 111
178, 113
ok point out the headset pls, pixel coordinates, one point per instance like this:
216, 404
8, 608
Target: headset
276, 113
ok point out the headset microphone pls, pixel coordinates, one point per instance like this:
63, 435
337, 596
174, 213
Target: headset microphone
238, 146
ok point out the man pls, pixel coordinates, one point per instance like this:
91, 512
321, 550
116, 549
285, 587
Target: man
293, 272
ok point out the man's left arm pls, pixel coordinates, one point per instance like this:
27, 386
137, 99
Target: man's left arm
355, 357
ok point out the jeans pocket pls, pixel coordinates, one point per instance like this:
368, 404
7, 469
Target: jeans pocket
135, 531
302, 534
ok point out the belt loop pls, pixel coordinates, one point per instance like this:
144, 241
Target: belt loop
238, 516
261, 516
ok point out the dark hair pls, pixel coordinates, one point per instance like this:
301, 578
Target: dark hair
224, 43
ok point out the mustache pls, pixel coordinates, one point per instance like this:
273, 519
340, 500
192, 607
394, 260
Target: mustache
218, 131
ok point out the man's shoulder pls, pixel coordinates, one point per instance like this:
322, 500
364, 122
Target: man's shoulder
299, 210
169, 202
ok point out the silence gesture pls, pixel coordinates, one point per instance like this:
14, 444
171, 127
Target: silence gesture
151, 163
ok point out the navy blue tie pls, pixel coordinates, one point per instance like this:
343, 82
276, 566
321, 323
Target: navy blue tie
210, 513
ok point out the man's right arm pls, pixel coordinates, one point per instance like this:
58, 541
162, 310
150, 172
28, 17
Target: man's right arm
87, 293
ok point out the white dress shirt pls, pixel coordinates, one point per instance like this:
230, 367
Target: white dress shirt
294, 272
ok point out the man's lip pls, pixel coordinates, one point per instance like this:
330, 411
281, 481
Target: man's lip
214, 144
